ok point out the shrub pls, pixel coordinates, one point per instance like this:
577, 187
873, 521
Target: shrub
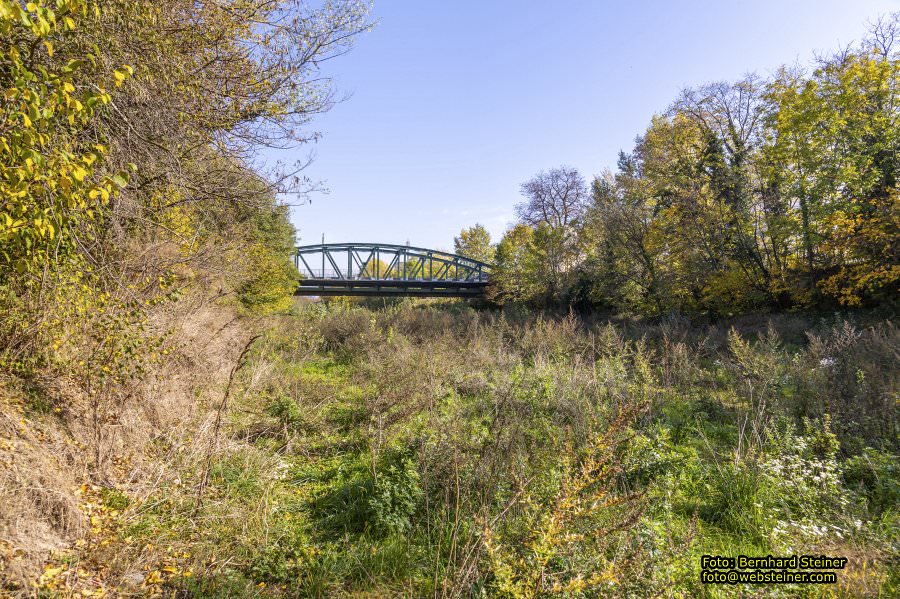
286, 411
282, 559
271, 282
378, 501
395, 494
851, 374
876, 475
349, 332
579, 540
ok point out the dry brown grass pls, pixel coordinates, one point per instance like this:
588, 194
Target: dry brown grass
48, 443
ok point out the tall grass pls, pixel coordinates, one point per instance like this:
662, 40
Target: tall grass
432, 450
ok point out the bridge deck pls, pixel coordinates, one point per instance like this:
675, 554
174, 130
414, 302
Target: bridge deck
400, 288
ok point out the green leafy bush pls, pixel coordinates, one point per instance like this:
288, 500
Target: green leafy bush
286, 411
395, 494
379, 502
876, 475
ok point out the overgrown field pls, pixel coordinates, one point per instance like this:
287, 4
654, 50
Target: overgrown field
434, 450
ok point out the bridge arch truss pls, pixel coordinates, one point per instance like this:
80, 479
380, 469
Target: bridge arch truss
378, 269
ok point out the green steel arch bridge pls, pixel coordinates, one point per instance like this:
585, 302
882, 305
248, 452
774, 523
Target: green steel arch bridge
381, 269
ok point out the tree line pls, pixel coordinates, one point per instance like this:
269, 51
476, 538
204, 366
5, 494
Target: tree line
776, 193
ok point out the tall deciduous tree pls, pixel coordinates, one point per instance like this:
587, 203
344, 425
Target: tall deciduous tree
832, 151
475, 242
556, 197
512, 279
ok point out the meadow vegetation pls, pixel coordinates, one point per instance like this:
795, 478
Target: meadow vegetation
436, 450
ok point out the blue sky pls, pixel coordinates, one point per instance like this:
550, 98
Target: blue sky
454, 104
